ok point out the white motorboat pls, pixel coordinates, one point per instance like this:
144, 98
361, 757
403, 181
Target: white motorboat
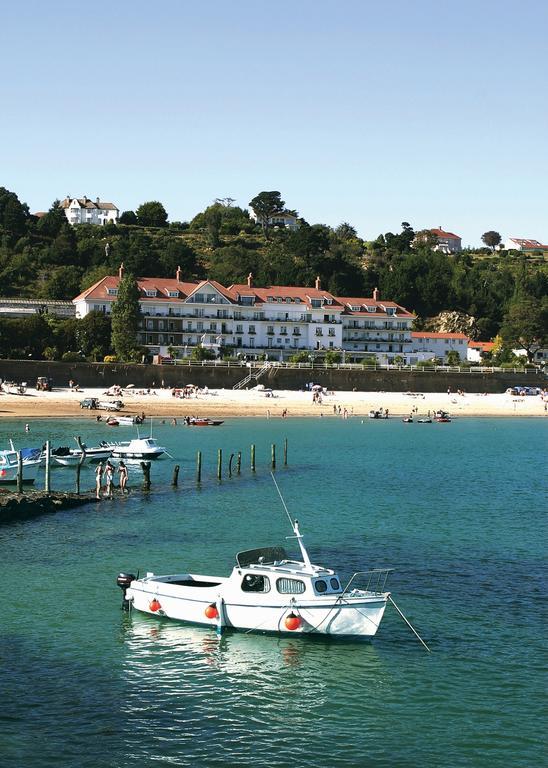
70, 457
138, 448
266, 592
9, 465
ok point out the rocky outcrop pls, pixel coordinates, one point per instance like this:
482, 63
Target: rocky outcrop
453, 322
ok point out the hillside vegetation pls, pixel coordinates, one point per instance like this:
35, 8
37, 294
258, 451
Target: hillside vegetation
46, 257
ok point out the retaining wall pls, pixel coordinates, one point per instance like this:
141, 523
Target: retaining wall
144, 376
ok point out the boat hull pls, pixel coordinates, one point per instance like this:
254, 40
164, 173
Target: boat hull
8, 475
347, 615
73, 459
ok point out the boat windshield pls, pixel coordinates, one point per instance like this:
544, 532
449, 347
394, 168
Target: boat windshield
262, 555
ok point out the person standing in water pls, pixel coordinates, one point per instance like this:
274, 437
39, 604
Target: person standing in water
98, 480
122, 469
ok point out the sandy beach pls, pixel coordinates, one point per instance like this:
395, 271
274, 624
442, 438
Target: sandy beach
228, 403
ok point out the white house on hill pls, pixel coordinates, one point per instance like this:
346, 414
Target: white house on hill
447, 241
82, 210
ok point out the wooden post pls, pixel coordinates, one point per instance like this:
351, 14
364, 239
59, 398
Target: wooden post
175, 478
285, 452
230, 465
199, 467
219, 463
239, 463
19, 472
81, 460
47, 488
253, 457
273, 455
145, 466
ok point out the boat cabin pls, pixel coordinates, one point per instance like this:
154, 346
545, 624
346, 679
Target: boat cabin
270, 570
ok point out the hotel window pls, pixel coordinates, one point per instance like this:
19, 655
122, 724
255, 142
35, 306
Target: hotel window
199, 326
247, 300
161, 325
331, 332
237, 315
198, 298
150, 325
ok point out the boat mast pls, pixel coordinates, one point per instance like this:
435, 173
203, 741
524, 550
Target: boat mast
295, 526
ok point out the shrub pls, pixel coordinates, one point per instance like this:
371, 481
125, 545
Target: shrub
110, 359
299, 357
72, 357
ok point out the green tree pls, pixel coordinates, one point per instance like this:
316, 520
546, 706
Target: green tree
62, 283
126, 317
93, 333
491, 239
266, 205
152, 214
525, 325
128, 217
14, 215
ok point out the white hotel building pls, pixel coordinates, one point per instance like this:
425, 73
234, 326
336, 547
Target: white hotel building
277, 321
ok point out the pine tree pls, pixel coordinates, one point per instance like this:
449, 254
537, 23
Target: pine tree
126, 316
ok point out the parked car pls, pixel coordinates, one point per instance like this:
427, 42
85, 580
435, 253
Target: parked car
110, 405
90, 402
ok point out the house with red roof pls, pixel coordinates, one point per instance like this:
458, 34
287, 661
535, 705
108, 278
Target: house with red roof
276, 321
478, 349
525, 244
447, 242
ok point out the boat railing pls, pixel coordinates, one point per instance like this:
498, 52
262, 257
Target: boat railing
373, 581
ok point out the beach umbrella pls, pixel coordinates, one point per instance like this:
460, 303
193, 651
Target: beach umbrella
129, 386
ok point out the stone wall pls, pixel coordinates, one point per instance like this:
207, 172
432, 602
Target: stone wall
144, 376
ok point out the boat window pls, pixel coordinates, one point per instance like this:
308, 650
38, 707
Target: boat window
290, 586
320, 585
253, 582
335, 584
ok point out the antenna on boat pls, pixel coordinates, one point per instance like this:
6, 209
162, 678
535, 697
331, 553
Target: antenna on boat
294, 525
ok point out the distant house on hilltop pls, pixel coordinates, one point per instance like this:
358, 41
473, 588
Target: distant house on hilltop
447, 241
82, 210
284, 219
525, 244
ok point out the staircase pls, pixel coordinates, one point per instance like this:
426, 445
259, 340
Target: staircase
250, 377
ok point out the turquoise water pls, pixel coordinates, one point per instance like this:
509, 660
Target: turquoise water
458, 509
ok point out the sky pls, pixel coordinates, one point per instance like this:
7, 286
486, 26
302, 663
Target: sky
427, 111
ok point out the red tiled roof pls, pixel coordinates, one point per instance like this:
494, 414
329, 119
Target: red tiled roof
445, 235
484, 346
162, 285
432, 335
363, 303
283, 292
526, 243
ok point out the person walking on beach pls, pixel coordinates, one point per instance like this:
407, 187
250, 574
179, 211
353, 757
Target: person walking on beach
98, 480
122, 469
109, 475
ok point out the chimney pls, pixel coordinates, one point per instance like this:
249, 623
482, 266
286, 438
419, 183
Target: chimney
317, 283
121, 271
97, 201
376, 294
178, 275
250, 280
85, 199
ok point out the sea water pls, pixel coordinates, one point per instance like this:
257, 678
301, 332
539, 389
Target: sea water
459, 510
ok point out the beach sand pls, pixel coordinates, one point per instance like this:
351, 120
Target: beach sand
227, 403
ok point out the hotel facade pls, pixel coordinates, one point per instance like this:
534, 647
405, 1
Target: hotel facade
276, 321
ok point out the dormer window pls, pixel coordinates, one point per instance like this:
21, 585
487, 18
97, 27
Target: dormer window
288, 300
173, 294
390, 310
355, 307
247, 300
112, 291
371, 308
270, 298
280, 299
151, 292
328, 301
297, 301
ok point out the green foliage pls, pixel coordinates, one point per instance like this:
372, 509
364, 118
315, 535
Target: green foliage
93, 334
152, 214
128, 217
266, 205
453, 358
202, 353
300, 357
526, 325
72, 357
332, 357
126, 317
491, 239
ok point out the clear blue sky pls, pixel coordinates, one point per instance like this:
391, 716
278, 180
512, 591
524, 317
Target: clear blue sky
427, 111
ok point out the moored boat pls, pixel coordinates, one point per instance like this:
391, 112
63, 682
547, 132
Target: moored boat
205, 422
138, 448
70, 457
9, 462
266, 592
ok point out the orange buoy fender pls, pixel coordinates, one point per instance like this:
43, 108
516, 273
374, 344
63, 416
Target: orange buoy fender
292, 621
211, 611
154, 605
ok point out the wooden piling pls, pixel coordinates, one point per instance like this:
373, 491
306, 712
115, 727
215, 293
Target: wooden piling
19, 472
239, 463
175, 478
145, 466
273, 456
285, 452
230, 465
199, 467
81, 460
47, 484
253, 457
219, 463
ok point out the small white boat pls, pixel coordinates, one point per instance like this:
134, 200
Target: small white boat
9, 465
138, 448
70, 457
266, 592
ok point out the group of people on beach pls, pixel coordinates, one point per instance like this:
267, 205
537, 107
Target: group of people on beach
106, 472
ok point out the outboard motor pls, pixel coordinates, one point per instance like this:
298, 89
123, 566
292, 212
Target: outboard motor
124, 581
